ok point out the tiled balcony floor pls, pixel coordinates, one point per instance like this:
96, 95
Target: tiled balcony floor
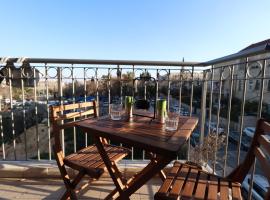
14, 188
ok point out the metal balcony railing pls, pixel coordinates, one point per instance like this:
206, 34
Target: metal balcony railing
226, 94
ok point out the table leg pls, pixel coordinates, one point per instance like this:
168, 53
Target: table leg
111, 166
154, 167
161, 173
125, 189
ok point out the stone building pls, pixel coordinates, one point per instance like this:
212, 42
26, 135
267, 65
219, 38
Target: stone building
252, 72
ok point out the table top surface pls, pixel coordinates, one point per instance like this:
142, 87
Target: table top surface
142, 132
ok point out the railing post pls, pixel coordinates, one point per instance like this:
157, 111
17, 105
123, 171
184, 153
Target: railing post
36, 113
2, 132
109, 90
144, 85
60, 99
97, 93
168, 90
48, 111
180, 88
157, 85
10, 76
191, 92
203, 106
73, 101
191, 106
119, 76
228, 118
210, 99
260, 106
24, 113
85, 98
221, 70
243, 101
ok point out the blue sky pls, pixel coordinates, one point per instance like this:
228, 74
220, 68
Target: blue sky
198, 30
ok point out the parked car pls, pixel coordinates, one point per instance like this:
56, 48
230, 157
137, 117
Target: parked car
184, 113
245, 142
195, 138
105, 103
181, 111
213, 127
249, 131
260, 186
175, 108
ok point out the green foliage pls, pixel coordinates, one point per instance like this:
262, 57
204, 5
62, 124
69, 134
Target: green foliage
145, 75
251, 108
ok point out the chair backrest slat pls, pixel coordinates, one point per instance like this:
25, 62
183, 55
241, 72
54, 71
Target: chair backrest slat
75, 115
263, 161
61, 120
73, 106
75, 110
265, 143
262, 149
265, 126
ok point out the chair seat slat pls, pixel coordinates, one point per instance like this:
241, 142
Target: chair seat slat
90, 160
224, 190
236, 191
212, 188
179, 181
201, 186
172, 174
190, 183
94, 158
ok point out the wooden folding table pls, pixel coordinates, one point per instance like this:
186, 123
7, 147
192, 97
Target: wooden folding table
140, 133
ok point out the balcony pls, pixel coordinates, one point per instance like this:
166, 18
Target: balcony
228, 95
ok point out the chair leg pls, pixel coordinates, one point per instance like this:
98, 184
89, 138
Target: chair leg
63, 172
69, 194
161, 173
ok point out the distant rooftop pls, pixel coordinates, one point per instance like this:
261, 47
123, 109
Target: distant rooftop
251, 50
264, 43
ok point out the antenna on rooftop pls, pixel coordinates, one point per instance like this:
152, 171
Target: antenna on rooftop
183, 60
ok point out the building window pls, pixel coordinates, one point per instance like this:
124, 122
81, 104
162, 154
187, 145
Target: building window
239, 85
250, 84
268, 86
257, 85
241, 67
255, 67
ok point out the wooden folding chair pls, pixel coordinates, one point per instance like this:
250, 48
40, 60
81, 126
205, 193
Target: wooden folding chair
86, 161
189, 182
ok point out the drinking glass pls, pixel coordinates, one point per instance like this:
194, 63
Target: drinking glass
116, 111
171, 121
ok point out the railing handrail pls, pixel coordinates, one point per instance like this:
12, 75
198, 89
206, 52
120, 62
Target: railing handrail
265, 48
104, 62
241, 54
